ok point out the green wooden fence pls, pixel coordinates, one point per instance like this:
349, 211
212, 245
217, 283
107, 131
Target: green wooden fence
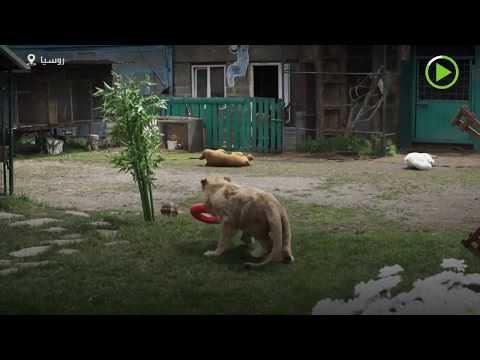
235, 123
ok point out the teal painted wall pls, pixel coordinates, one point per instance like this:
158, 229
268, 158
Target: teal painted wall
407, 95
476, 81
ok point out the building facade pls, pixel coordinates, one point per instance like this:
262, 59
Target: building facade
313, 81
59, 95
317, 83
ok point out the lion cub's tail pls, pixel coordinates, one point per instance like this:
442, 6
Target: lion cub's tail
286, 238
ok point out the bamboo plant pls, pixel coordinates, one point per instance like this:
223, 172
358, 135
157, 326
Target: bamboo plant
132, 116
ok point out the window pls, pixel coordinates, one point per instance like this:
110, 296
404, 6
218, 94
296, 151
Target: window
266, 80
208, 81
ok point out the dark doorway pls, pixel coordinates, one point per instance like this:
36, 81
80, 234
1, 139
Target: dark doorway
265, 81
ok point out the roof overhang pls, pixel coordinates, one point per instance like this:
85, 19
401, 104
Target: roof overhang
13, 59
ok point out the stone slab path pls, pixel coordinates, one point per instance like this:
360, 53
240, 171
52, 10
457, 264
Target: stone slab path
62, 242
9, 216
55, 229
108, 234
34, 222
101, 224
72, 236
5, 262
31, 264
31, 251
8, 271
68, 251
13, 266
77, 213
113, 243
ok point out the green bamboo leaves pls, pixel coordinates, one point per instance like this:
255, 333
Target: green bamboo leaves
132, 116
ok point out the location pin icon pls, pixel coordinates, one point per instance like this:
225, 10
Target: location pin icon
31, 58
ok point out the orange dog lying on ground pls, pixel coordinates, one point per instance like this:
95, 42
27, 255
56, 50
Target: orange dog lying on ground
223, 159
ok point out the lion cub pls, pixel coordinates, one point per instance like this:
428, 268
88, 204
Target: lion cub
221, 158
257, 213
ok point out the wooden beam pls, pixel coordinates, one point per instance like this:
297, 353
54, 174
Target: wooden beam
70, 91
318, 63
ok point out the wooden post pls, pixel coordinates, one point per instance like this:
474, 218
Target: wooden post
299, 106
70, 95
319, 116
385, 93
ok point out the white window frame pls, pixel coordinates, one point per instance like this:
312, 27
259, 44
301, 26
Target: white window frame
286, 83
209, 90
281, 78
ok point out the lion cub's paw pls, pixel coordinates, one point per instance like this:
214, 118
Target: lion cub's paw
210, 253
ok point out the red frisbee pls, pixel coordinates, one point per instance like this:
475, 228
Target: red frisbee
199, 212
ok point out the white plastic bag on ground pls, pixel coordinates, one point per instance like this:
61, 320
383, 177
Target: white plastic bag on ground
420, 161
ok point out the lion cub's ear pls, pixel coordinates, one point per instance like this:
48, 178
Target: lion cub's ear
227, 178
204, 182
229, 192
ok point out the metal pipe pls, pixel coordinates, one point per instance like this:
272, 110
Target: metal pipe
358, 132
4, 143
344, 131
385, 93
10, 127
3, 139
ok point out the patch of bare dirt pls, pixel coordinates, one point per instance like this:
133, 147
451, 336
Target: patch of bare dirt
447, 196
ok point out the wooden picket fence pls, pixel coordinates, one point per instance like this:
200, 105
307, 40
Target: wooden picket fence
235, 123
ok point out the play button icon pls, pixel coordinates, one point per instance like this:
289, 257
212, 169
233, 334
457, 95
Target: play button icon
445, 72
441, 72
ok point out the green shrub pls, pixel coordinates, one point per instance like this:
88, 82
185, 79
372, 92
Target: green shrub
355, 144
75, 144
391, 150
26, 144
133, 119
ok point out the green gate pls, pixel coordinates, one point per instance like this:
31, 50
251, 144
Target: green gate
235, 123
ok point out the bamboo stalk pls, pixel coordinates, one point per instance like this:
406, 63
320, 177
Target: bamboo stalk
133, 113
151, 201
148, 198
142, 193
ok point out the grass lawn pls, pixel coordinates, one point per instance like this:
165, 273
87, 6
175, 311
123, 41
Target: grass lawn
162, 270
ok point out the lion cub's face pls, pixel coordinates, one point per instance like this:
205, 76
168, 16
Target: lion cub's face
215, 200
211, 183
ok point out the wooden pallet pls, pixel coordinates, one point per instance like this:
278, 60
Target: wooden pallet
469, 124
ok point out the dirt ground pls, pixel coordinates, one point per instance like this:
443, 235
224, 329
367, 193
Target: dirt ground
448, 196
